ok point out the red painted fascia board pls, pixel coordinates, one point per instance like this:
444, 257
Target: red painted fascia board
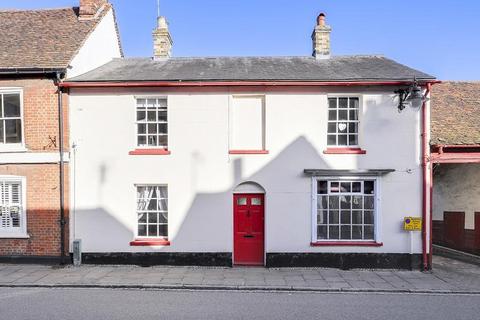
149, 242
344, 151
456, 157
347, 243
231, 83
248, 152
149, 152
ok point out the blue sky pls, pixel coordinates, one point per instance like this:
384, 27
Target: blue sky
441, 37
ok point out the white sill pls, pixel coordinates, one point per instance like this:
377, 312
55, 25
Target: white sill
12, 148
13, 235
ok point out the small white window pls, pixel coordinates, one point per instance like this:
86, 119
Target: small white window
247, 123
10, 118
152, 123
343, 121
12, 207
345, 210
152, 211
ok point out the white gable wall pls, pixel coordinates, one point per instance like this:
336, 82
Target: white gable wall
201, 175
101, 46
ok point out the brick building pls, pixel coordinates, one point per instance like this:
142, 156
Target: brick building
39, 49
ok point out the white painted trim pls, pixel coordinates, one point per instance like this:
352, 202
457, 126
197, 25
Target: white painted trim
32, 157
15, 146
22, 232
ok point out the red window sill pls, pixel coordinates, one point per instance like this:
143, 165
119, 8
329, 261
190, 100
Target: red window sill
344, 151
347, 243
149, 242
248, 152
149, 152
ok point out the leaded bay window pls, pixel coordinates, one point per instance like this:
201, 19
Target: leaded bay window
152, 211
12, 213
343, 121
345, 210
10, 118
152, 124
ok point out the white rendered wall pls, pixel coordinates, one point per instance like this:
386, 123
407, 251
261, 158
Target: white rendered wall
456, 188
201, 175
101, 46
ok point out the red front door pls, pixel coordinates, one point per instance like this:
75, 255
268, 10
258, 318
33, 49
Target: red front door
248, 217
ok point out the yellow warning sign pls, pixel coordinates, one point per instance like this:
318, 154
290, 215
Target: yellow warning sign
412, 224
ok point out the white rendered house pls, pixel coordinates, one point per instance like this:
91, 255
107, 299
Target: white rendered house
275, 161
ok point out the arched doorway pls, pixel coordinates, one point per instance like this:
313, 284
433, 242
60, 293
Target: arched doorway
249, 224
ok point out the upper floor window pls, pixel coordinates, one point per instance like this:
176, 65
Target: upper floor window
152, 123
10, 117
247, 124
12, 207
345, 210
343, 121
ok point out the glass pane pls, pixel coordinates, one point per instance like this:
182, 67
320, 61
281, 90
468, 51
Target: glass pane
368, 233
162, 103
163, 217
13, 131
142, 140
332, 127
342, 127
356, 187
368, 217
162, 128
152, 218
353, 127
353, 114
152, 230
163, 230
356, 232
345, 186
343, 102
322, 187
342, 115
1, 132
354, 103
345, 217
331, 140
342, 140
357, 202
142, 230
345, 202
163, 191
163, 141
333, 202
142, 218
142, 128
321, 232
334, 187
151, 103
368, 187
256, 201
356, 217
152, 128
242, 201
11, 105
368, 202
322, 216
333, 217
332, 102
345, 232
162, 115
333, 232
141, 102
152, 204
141, 115
152, 140
163, 205
322, 203
352, 140
332, 115
151, 115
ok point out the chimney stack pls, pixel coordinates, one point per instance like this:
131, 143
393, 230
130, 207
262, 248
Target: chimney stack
90, 8
321, 38
162, 41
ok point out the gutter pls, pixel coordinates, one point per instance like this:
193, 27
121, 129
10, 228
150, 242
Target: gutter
26, 71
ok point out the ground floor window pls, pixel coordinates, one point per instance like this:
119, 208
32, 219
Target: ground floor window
12, 206
345, 209
152, 211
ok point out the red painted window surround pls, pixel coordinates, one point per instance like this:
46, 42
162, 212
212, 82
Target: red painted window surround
335, 150
248, 152
149, 152
347, 243
149, 242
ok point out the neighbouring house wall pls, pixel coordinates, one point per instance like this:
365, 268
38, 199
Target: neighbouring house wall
201, 175
101, 46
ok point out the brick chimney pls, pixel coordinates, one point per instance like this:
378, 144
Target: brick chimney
162, 41
90, 8
321, 38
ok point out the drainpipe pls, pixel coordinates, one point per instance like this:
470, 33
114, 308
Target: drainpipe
62, 171
426, 187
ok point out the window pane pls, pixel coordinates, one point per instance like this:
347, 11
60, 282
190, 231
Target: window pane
163, 217
141, 115
322, 232
322, 203
368, 232
152, 204
142, 218
333, 202
356, 187
346, 186
368, 202
346, 232
343, 103
13, 131
1, 131
332, 102
242, 201
345, 202
256, 202
368, 187
333, 232
163, 230
151, 103
342, 140
142, 230
152, 230
332, 127
142, 128
333, 217
152, 128
162, 115
334, 186
162, 128
353, 127
353, 114
152, 218
354, 103
357, 202
342, 115
368, 217
331, 140
151, 115
345, 217
356, 232
163, 141
11, 105
342, 127
163, 205
141, 102
322, 187
152, 140
332, 115
142, 140
356, 217
352, 140
322, 216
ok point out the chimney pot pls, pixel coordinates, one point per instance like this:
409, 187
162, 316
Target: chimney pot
321, 19
89, 8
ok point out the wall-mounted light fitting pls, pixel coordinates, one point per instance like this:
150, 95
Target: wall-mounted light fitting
412, 95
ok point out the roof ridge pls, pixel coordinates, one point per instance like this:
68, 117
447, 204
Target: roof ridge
39, 9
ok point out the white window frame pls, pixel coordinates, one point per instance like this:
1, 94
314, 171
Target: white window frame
14, 147
358, 121
20, 232
136, 145
136, 211
377, 237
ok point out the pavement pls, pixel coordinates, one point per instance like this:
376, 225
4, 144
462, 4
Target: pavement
449, 276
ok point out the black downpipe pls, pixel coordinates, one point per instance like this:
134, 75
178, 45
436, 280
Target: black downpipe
62, 171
